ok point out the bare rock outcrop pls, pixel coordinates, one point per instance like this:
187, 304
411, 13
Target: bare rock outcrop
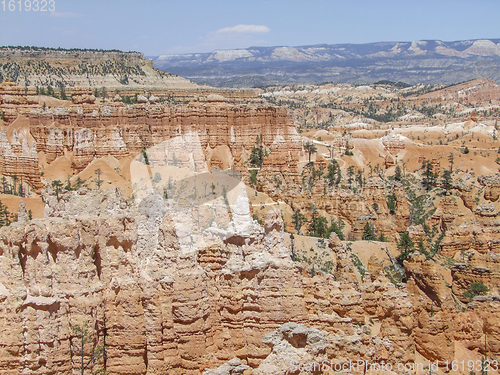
160, 305
234, 366
492, 184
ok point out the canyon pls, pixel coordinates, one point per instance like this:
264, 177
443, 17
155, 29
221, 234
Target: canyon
170, 227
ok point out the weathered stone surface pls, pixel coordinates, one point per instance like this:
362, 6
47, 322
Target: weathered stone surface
492, 183
162, 309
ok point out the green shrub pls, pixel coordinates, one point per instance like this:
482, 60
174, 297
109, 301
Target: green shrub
475, 289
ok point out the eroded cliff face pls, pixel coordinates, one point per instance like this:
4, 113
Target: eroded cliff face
161, 304
159, 308
83, 130
122, 131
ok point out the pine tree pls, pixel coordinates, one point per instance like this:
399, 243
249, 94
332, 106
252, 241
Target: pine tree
4, 185
67, 187
57, 185
82, 342
98, 172
447, 180
350, 175
256, 157
321, 227
406, 246
4, 215
368, 234
336, 227
450, 160
62, 92
391, 203
475, 289
397, 175
311, 149
317, 224
429, 176
14, 179
145, 156
298, 219
332, 172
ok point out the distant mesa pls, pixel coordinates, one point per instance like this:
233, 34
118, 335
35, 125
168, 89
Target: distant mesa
113, 69
431, 62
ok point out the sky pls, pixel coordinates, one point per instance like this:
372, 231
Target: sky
157, 27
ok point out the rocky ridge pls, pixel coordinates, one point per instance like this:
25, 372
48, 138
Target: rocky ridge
31, 66
432, 61
159, 307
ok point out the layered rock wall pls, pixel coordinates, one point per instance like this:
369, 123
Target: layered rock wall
159, 308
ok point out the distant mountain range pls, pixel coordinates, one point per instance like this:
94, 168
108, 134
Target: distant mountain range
426, 61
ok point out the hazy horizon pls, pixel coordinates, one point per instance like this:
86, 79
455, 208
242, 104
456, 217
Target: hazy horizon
170, 27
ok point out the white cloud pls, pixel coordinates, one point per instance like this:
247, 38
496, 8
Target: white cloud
64, 14
245, 29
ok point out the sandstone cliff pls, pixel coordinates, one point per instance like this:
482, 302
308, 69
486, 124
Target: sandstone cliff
83, 68
163, 304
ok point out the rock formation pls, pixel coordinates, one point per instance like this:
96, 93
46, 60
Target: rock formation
161, 305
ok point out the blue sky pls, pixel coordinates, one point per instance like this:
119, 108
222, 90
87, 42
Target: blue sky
168, 27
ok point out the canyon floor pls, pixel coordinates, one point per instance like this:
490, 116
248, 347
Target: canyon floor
194, 230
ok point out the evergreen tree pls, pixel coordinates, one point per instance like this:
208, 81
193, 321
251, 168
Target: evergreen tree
14, 179
57, 185
4, 215
348, 152
98, 172
475, 289
78, 183
311, 149
406, 246
359, 178
397, 175
350, 175
5, 185
256, 157
145, 156
321, 227
450, 160
336, 227
68, 185
382, 237
298, 219
331, 175
422, 249
447, 180
83, 342
368, 232
20, 190
62, 92
339, 176
429, 176
391, 203
317, 224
